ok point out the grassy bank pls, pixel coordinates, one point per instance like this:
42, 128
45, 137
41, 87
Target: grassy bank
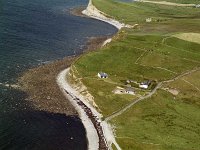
152, 51
137, 12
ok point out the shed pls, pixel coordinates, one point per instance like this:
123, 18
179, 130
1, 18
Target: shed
129, 90
197, 6
102, 75
148, 19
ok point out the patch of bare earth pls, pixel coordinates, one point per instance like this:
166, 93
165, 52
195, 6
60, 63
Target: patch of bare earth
172, 91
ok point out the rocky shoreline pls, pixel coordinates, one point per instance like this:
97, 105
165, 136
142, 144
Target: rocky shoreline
44, 95
99, 133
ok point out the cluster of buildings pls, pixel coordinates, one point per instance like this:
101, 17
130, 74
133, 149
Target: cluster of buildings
197, 6
128, 90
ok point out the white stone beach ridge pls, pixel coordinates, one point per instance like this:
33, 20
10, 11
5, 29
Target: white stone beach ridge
92, 136
72, 93
93, 12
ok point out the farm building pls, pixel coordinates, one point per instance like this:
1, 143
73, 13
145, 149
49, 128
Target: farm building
148, 19
145, 84
102, 75
197, 6
130, 91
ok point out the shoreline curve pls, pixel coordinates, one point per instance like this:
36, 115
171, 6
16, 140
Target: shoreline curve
98, 132
92, 12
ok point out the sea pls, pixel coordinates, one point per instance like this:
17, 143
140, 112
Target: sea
34, 32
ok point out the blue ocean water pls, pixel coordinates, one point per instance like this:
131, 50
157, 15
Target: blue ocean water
34, 32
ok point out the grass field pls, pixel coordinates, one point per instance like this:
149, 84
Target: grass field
161, 122
188, 87
152, 51
191, 37
137, 12
180, 1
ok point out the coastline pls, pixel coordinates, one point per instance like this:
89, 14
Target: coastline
45, 96
104, 138
43, 93
75, 94
67, 91
99, 133
92, 12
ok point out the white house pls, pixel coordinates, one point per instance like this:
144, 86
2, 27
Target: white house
197, 6
144, 85
102, 75
148, 19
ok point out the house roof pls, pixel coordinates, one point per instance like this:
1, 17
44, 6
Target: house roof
146, 82
103, 74
129, 89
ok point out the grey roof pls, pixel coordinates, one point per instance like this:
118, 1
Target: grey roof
129, 89
146, 82
103, 74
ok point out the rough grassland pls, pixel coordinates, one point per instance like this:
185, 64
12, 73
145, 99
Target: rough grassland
150, 51
188, 87
138, 12
181, 1
161, 122
191, 37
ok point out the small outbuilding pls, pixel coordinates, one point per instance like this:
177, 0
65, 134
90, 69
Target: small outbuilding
148, 20
197, 6
102, 75
129, 90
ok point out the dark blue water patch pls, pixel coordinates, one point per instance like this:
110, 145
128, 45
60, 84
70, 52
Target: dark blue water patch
39, 31
38, 130
24, 128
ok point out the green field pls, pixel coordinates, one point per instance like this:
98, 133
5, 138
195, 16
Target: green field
137, 13
161, 122
181, 1
165, 121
